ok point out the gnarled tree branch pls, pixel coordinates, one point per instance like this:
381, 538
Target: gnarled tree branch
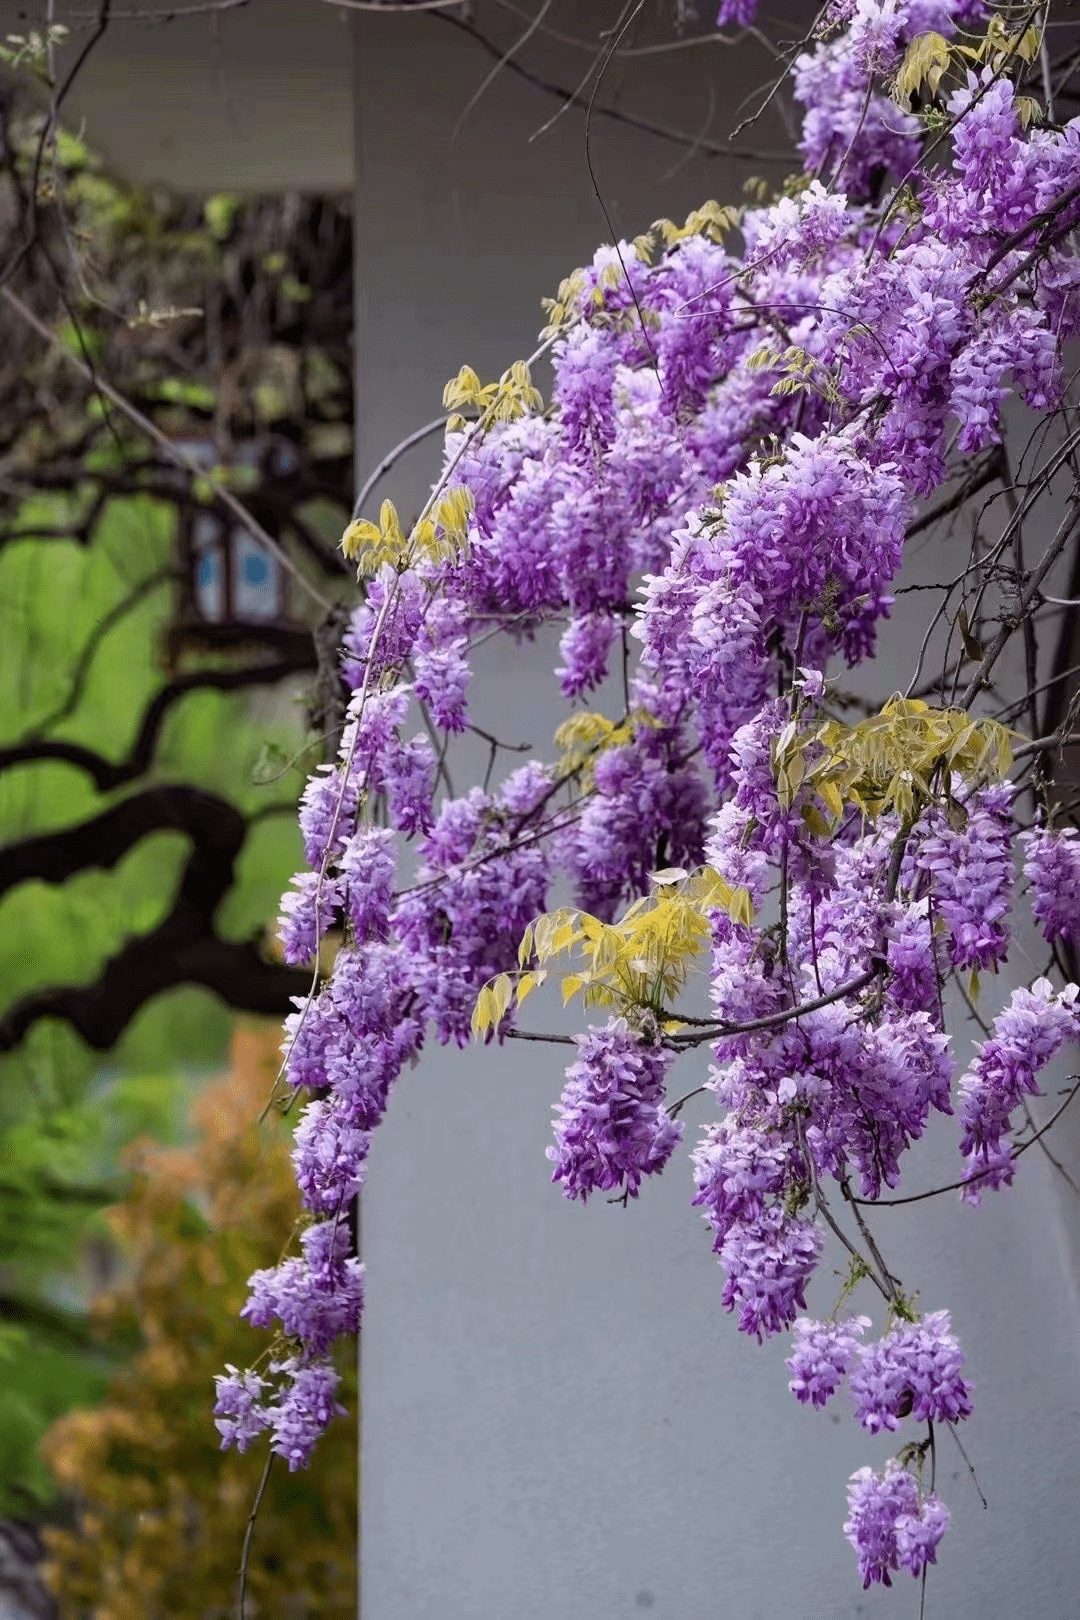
108, 774
106, 838
183, 949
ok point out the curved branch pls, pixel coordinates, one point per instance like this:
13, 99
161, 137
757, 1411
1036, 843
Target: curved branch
108, 774
183, 949
105, 839
100, 1012
720, 1031
680, 137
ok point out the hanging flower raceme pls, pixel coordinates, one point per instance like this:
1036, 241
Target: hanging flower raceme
914, 1371
612, 1128
709, 518
821, 1355
966, 852
1024, 1038
1052, 867
889, 1526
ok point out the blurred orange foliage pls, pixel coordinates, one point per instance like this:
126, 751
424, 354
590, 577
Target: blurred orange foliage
161, 1510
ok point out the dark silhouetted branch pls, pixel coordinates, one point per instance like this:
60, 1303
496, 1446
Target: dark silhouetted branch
183, 949
108, 774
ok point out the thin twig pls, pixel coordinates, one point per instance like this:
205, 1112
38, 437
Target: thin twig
394, 5
576, 98
784, 1016
979, 1175
530, 1035
393, 456
970, 1465
171, 14
493, 73
241, 1598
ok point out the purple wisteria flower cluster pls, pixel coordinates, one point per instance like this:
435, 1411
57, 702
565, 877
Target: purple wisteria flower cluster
914, 1371
612, 1128
889, 1527
714, 509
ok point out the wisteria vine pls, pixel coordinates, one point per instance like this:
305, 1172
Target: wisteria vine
747, 411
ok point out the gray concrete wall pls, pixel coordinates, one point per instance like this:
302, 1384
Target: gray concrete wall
559, 1420
256, 97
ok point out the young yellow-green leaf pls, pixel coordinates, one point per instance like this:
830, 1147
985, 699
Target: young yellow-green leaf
1029, 44
832, 798
926, 59
566, 935
528, 982
453, 512
741, 908
358, 537
668, 876
464, 389
502, 989
572, 983
484, 1012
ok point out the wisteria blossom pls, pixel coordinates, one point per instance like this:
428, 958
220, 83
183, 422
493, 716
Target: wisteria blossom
914, 1371
889, 1527
612, 1128
751, 412
821, 1355
1052, 867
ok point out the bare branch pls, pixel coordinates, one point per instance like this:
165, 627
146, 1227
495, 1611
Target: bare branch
183, 949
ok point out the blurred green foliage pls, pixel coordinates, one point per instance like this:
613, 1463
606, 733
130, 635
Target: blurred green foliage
227, 322
160, 1509
62, 1119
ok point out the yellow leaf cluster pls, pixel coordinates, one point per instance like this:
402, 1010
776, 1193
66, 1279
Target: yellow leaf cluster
1027, 110
585, 735
711, 220
930, 56
898, 760
493, 1002
1002, 45
160, 1510
503, 401
439, 537
639, 962
801, 373
565, 307
370, 545
925, 60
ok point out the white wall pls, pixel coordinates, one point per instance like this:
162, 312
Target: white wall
559, 1420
